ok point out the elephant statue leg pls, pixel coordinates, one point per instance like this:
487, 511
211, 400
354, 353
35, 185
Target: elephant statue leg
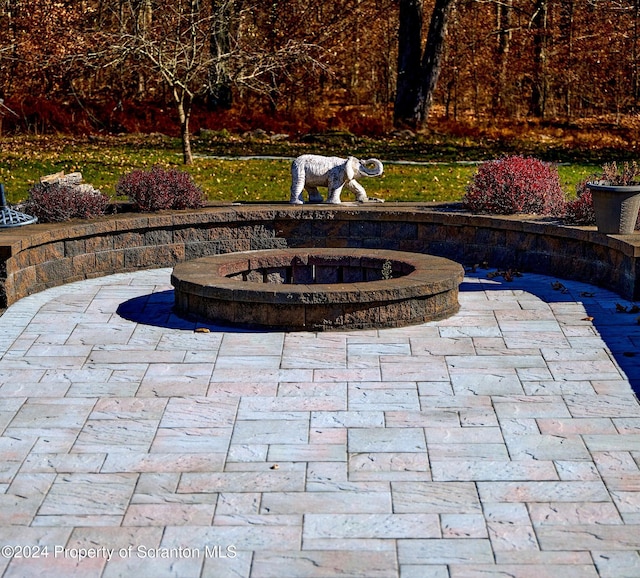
296, 195
297, 182
358, 190
334, 196
314, 195
335, 182
361, 195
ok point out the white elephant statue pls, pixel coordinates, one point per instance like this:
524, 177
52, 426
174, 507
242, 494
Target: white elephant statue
308, 172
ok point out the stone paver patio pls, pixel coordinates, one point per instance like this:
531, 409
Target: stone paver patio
504, 440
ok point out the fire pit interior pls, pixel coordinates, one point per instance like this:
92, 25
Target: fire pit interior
317, 289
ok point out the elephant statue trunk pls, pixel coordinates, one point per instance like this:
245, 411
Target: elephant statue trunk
308, 172
375, 171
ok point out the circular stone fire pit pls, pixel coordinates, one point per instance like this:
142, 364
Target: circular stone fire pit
318, 289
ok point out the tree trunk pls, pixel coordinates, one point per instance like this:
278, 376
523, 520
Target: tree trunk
417, 109
184, 112
567, 26
539, 88
409, 47
144, 20
503, 22
432, 58
635, 80
13, 7
220, 95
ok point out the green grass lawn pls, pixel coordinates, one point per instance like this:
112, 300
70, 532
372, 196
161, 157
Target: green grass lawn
103, 161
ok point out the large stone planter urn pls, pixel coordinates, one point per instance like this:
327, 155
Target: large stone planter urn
616, 207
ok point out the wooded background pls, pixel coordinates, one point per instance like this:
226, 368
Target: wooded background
310, 65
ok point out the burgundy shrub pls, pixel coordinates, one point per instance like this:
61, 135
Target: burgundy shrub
160, 189
53, 202
579, 211
515, 184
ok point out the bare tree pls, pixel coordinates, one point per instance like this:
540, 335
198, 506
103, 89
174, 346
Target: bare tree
174, 43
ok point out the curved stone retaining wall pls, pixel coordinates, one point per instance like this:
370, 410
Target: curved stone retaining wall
35, 257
